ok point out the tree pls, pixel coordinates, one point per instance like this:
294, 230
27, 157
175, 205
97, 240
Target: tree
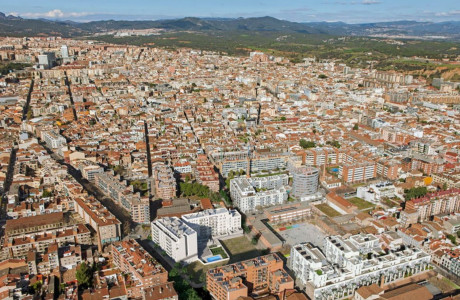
283, 118
191, 294
322, 76
452, 238
356, 127
36, 286
126, 228
84, 275
334, 143
30, 114
306, 144
46, 194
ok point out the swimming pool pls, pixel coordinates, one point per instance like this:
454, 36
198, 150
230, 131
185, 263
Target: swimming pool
214, 258
335, 170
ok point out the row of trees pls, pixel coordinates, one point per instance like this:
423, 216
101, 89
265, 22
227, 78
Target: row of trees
415, 192
194, 189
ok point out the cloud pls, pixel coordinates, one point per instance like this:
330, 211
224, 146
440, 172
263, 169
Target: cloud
370, 2
53, 14
363, 2
448, 13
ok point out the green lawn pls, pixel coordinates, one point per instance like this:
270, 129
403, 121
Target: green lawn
219, 251
390, 203
239, 249
360, 203
329, 211
197, 270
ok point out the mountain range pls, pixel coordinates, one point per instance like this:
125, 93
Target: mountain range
16, 26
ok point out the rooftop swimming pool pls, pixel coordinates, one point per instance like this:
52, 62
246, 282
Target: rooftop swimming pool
214, 258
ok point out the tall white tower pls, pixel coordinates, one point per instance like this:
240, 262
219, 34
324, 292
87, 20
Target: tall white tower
64, 51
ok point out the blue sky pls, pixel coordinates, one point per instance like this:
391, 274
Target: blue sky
351, 11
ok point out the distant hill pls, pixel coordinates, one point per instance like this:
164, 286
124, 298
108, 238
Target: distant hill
197, 24
16, 26
449, 29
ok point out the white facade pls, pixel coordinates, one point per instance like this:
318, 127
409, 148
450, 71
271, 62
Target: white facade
183, 167
305, 182
250, 193
375, 192
213, 223
54, 140
176, 238
64, 51
350, 263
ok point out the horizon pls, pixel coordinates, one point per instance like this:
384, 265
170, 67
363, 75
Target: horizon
225, 18
347, 11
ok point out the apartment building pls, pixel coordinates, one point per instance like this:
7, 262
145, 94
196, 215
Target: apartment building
165, 183
34, 224
70, 256
176, 238
143, 269
249, 161
106, 225
443, 202
263, 275
268, 160
137, 206
450, 261
451, 180
347, 264
388, 169
376, 192
88, 169
357, 172
214, 223
205, 173
231, 161
323, 156
305, 182
19, 246
248, 194
182, 167
427, 164
53, 140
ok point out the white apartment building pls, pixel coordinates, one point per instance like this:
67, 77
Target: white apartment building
183, 167
214, 223
53, 140
347, 264
375, 192
176, 238
89, 169
248, 194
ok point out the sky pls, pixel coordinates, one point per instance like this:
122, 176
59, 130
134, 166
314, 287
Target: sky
350, 11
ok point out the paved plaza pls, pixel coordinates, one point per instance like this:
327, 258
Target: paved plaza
305, 232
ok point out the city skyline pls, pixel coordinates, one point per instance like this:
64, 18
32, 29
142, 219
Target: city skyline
349, 11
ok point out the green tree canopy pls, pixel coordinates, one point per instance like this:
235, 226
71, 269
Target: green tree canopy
306, 144
84, 275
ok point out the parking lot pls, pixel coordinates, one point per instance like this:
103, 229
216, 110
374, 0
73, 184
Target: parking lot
305, 232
